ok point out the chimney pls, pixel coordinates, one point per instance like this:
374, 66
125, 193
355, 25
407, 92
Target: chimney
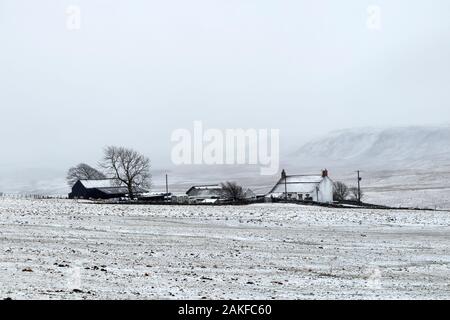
283, 174
324, 173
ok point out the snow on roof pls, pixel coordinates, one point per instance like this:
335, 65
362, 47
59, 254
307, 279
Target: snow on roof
100, 183
205, 191
207, 187
298, 184
304, 179
296, 188
154, 194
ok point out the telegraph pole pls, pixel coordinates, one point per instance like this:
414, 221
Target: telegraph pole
359, 186
167, 185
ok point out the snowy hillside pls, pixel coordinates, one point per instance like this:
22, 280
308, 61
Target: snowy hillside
404, 147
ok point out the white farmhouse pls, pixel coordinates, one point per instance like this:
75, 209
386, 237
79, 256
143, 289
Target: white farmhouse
318, 188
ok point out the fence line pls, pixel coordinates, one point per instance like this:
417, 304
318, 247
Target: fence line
30, 196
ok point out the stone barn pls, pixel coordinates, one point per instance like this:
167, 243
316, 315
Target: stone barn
205, 193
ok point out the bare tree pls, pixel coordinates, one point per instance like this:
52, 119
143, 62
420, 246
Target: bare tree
232, 191
81, 172
356, 195
340, 191
127, 166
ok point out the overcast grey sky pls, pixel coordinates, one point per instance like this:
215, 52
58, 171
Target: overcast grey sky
137, 70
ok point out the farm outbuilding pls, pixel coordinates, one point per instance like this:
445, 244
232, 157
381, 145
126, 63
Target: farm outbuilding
318, 188
213, 194
205, 193
100, 189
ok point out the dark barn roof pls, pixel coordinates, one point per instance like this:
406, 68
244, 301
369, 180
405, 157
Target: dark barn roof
100, 189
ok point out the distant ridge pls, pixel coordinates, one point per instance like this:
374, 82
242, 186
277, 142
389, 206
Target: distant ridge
381, 148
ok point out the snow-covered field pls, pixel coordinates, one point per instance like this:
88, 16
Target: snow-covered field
53, 249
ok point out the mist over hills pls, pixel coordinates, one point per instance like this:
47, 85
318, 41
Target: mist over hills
379, 148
